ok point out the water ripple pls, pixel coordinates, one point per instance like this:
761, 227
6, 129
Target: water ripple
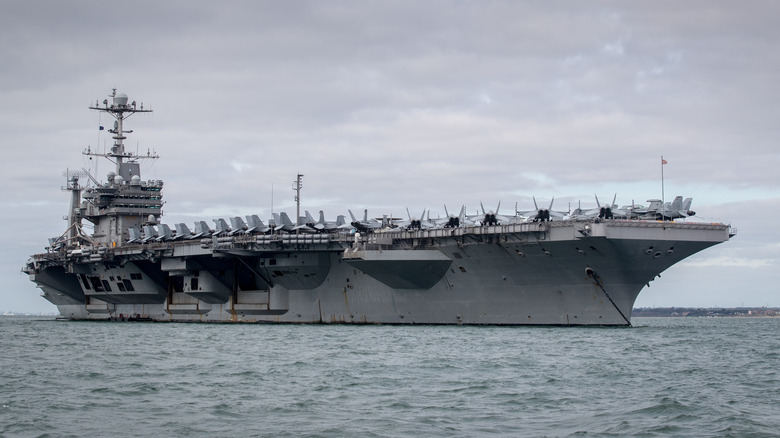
663, 377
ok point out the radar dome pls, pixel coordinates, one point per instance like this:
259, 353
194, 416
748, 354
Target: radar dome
120, 99
135, 180
119, 180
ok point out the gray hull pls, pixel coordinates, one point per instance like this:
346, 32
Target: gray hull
547, 273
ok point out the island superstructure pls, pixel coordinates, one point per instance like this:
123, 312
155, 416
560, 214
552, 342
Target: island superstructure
539, 269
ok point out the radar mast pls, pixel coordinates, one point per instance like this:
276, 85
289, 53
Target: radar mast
121, 110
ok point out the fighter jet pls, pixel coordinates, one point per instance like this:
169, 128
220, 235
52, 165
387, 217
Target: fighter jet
183, 232
413, 223
365, 225
255, 224
221, 227
607, 211
202, 230
164, 234
322, 225
284, 223
150, 233
135, 235
668, 211
542, 214
452, 221
238, 226
490, 218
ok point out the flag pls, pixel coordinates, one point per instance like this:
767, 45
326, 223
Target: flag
101, 127
663, 161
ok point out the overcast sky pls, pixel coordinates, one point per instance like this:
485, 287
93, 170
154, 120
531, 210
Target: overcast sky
387, 105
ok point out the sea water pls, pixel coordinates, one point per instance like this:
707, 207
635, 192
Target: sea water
662, 377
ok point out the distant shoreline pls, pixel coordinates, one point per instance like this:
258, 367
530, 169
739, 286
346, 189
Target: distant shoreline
683, 312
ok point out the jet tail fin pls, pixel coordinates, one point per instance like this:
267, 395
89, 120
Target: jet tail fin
220, 226
285, 219
135, 234
202, 227
165, 232
182, 230
677, 204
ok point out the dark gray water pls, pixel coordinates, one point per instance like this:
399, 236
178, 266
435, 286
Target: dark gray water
663, 377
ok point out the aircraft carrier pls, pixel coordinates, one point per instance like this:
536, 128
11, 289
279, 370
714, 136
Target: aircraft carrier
538, 269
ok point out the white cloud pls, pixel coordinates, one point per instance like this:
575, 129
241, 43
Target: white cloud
240, 166
731, 262
615, 48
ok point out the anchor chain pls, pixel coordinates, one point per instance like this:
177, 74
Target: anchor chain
592, 274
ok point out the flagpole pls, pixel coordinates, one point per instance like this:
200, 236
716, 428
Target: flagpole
663, 200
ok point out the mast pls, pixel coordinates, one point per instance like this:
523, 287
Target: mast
663, 200
297, 185
74, 213
118, 109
